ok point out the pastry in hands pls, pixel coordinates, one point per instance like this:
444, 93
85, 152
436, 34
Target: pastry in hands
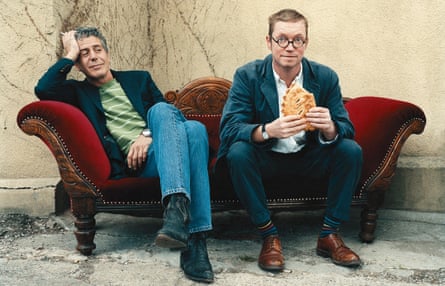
298, 101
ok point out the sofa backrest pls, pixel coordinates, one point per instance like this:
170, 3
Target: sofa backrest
206, 95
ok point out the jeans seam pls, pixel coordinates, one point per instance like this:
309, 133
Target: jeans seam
200, 229
179, 190
178, 142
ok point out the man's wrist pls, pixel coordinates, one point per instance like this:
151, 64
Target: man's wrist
71, 56
264, 132
325, 141
146, 132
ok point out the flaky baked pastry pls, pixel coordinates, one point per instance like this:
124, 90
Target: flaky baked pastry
298, 101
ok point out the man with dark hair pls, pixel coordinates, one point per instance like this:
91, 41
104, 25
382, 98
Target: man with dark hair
258, 142
143, 136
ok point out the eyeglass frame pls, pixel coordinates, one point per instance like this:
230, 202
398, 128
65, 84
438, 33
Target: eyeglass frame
303, 42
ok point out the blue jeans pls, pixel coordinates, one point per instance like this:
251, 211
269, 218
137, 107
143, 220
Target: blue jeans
179, 156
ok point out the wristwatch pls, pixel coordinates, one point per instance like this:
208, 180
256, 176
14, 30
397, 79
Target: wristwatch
264, 132
146, 132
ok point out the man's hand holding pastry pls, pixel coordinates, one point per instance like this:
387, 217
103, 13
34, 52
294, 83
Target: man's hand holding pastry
286, 126
298, 101
320, 118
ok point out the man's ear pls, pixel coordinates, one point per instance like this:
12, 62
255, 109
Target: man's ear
268, 42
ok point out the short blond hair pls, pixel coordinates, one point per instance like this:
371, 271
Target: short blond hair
286, 15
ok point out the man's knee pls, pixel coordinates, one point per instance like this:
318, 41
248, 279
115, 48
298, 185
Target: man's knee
348, 149
162, 108
239, 153
196, 130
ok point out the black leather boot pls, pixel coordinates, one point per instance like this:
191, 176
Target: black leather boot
195, 260
174, 233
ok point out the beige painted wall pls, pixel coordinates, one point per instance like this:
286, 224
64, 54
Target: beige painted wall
385, 48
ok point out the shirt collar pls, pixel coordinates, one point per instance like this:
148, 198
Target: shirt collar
298, 79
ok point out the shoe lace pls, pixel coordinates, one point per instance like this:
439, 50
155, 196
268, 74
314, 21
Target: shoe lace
273, 243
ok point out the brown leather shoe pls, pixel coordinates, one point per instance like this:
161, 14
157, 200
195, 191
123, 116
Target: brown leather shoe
333, 246
271, 257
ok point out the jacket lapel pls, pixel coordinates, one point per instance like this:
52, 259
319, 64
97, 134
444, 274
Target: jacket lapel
91, 93
128, 86
310, 82
268, 87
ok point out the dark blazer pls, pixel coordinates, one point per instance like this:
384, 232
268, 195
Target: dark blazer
138, 86
253, 100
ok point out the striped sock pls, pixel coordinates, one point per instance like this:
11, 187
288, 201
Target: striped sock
268, 229
330, 225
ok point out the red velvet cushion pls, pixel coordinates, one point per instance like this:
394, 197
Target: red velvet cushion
378, 121
76, 133
131, 190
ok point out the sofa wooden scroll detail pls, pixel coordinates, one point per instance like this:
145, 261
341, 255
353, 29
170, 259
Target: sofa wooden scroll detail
382, 127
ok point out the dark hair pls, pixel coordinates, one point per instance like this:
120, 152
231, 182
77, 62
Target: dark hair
286, 15
85, 32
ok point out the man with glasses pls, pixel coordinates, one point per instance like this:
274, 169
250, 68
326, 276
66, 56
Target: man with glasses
143, 136
258, 142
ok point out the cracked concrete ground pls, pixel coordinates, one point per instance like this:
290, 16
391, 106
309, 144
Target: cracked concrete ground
409, 250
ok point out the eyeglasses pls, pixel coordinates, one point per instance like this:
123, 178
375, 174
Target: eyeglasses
284, 43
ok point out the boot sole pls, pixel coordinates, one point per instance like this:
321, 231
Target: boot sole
199, 279
326, 254
165, 241
271, 268
196, 278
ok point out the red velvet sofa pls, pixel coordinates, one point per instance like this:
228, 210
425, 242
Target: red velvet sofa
382, 126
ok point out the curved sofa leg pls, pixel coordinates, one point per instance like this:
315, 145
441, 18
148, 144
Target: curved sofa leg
84, 210
368, 224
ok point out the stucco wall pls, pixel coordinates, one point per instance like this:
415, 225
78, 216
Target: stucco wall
385, 48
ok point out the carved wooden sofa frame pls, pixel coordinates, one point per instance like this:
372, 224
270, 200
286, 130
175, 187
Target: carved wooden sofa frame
382, 127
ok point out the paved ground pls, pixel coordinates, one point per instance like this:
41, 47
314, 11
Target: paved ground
409, 250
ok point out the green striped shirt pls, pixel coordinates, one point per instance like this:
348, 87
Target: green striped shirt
122, 120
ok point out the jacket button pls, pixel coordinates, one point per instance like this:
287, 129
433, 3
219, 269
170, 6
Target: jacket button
64, 69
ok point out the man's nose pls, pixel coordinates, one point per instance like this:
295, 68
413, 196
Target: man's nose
290, 47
